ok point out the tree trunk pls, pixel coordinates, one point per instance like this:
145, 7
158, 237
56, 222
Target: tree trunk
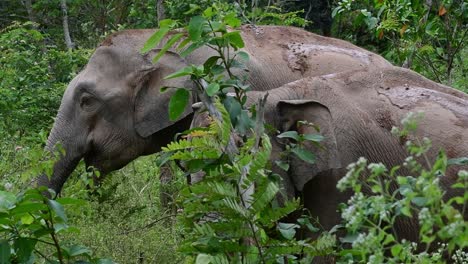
160, 12
66, 31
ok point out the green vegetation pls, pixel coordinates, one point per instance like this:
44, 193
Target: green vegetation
123, 220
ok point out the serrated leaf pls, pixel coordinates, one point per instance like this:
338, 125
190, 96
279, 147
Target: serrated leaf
195, 27
167, 46
177, 103
304, 154
212, 89
58, 209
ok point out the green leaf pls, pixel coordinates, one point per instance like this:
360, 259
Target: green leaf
243, 55
235, 39
168, 45
396, 249
287, 230
27, 219
304, 154
282, 164
155, 39
212, 89
5, 252
458, 161
203, 259
191, 48
289, 134
177, 103
210, 62
24, 248
77, 250
419, 201
7, 200
182, 72
195, 27
231, 20
313, 137
28, 208
58, 209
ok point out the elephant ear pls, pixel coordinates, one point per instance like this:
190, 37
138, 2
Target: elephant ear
151, 105
327, 156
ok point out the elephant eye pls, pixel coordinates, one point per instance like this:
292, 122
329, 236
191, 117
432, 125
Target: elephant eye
87, 101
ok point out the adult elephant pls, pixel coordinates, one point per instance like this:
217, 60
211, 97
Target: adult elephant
113, 111
356, 112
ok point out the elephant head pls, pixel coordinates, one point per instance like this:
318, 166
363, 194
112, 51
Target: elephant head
108, 115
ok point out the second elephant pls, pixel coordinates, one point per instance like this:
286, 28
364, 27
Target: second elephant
356, 112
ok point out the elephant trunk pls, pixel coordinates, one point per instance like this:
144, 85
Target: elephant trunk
64, 152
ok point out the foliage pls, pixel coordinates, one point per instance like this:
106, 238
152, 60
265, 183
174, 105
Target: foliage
32, 79
31, 225
385, 199
427, 36
122, 219
238, 220
252, 12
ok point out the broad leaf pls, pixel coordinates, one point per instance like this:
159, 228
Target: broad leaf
7, 200
24, 248
58, 209
5, 252
177, 103
304, 154
235, 39
191, 48
243, 55
287, 230
195, 27
231, 20
289, 134
282, 164
212, 89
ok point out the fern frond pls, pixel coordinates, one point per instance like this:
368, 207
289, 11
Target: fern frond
264, 197
269, 216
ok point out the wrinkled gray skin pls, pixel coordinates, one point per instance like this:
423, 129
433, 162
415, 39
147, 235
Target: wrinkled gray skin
356, 112
113, 111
